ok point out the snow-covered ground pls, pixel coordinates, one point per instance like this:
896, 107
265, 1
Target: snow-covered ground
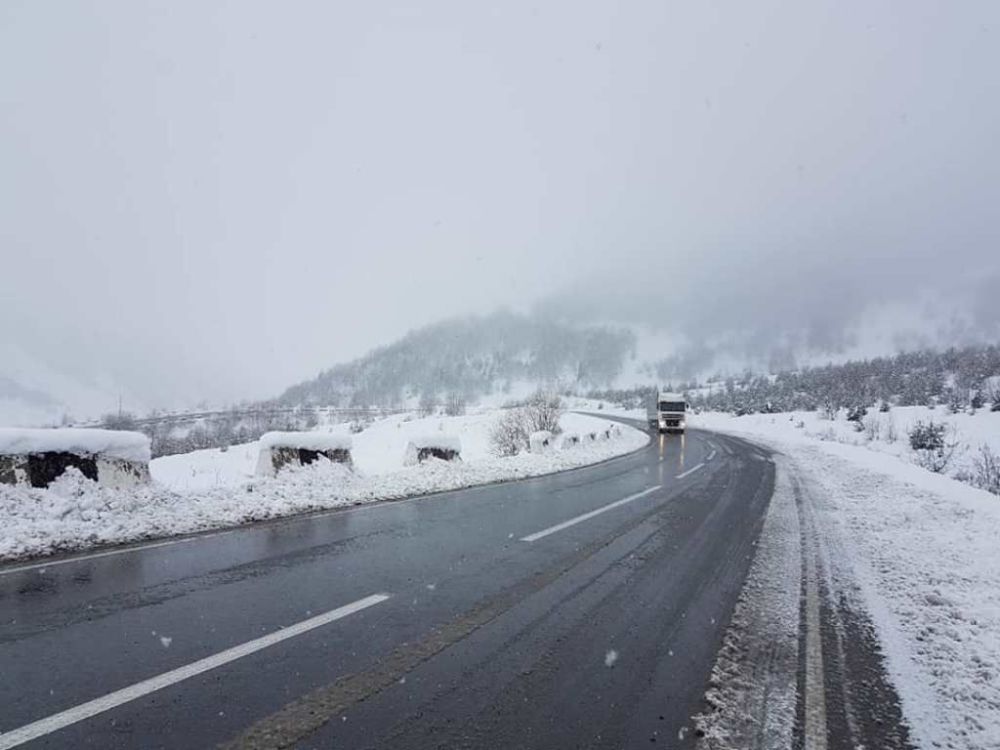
885, 432
212, 488
918, 551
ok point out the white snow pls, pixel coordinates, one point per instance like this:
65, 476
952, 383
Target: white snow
129, 446
919, 553
212, 489
313, 441
752, 690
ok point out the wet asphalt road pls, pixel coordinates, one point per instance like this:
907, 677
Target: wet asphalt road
599, 634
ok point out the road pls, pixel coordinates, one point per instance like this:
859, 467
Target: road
583, 609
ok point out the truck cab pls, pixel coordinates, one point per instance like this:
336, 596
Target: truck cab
671, 412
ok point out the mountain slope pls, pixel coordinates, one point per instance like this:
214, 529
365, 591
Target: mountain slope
472, 357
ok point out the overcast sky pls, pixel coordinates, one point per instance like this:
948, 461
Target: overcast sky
214, 200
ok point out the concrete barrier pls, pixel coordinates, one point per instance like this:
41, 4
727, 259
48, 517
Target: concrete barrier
443, 447
281, 449
37, 457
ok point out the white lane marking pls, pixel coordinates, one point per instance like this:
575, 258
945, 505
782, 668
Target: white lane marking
710, 456
692, 470
106, 553
587, 516
50, 724
815, 695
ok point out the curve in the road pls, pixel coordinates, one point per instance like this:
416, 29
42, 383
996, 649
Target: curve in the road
599, 630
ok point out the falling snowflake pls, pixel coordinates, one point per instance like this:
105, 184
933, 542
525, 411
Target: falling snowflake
610, 658
166, 641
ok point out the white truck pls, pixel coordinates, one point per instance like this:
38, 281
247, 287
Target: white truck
670, 413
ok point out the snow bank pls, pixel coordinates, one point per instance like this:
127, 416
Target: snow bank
213, 489
919, 552
127, 446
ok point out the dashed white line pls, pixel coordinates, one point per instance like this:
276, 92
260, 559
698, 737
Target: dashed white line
58, 721
586, 516
710, 456
692, 470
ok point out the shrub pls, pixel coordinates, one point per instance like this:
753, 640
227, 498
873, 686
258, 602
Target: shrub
123, 420
891, 435
926, 436
509, 435
872, 426
542, 412
986, 470
856, 414
932, 447
827, 411
512, 430
454, 406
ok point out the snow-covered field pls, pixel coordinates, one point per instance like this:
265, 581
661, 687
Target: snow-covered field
885, 432
918, 551
212, 488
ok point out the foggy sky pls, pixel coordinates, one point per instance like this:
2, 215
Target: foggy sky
214, 200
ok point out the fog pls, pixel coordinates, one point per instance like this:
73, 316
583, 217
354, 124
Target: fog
210, 201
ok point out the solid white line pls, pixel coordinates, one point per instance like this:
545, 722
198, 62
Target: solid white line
586, 516
95, 555
692, 470
45, 726
815, 695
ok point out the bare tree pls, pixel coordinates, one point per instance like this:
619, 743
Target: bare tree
986, 470
542, 412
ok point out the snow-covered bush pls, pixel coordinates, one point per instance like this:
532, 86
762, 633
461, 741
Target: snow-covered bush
856, 414
891, 434
454, 406
927, 436
933, 446
986, 470
542, 412
509, 434
872, 426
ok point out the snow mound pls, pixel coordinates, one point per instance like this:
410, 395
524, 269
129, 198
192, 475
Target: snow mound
127, 446
311, 441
